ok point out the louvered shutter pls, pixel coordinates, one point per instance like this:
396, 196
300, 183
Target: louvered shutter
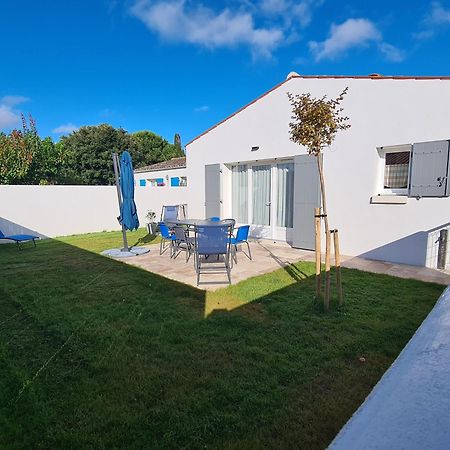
306, 198
429, 169
212, 190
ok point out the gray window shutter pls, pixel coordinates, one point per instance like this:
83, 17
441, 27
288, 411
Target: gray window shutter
429, 170
212, 190
306, 198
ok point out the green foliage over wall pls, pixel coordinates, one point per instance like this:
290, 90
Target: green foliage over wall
83, 157
25, 158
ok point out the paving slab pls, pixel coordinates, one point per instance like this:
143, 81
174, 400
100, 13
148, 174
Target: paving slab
267, 257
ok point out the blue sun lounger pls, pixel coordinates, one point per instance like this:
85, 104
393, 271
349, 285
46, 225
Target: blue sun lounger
18, 238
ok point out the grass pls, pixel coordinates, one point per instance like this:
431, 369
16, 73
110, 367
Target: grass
98, 354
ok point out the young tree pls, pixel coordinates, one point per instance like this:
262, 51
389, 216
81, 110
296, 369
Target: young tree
315, 123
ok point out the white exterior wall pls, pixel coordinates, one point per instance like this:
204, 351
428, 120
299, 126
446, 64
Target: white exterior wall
58, 210
382, 112
154, 197
52, 211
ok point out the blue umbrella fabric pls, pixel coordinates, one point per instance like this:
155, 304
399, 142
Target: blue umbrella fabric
128, 211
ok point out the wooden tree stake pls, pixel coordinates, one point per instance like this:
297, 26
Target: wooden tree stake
337, 256
326, 299
318, 251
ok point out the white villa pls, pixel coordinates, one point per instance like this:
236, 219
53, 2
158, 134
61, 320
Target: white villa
386, 176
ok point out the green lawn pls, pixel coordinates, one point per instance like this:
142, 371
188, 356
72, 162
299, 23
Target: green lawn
97, 354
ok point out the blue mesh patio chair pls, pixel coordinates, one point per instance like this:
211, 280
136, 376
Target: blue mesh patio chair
169, 212
20, 238
182, 242
241, 238
166, 235
212, 240
213, 219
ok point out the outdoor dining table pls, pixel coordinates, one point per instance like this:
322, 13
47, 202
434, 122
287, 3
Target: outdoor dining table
192, 223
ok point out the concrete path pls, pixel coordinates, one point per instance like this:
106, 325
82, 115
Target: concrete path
267, 257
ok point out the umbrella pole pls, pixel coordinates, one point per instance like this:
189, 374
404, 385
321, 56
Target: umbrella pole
119, 198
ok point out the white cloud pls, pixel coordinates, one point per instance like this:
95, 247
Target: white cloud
8, 118
9, 115
353, 33
438, 15
176, 21
292, 11
391, 52
65, 128
202, 109
349, 34
13, 100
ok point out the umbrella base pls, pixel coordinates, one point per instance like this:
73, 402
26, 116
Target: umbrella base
120, 253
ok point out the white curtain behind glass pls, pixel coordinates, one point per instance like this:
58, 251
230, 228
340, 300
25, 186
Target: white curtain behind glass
285, 177
239, 188
261, 195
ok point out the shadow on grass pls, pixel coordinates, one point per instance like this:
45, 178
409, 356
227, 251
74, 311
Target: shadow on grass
95, 353
147, 239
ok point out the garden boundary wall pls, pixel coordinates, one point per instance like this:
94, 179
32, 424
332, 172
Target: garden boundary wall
52, 211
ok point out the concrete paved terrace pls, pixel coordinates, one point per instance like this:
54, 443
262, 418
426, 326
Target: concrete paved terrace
267, 257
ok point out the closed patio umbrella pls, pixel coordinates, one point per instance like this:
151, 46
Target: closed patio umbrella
128, 218
128, 212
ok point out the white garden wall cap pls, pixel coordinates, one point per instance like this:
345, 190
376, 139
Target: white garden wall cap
409, 407
174, 163
293, 75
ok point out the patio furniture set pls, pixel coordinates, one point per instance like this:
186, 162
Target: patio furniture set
212, 242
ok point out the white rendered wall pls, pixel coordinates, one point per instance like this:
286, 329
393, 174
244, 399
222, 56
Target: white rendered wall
58, 210
52, 211
382, 112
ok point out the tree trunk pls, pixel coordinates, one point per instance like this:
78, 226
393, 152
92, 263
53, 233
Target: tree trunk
326, 299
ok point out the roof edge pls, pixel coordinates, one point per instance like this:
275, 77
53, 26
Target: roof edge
239, 110
355, 77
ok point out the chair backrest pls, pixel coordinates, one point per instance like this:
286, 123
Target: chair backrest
180, 233
229, 221
213, 219
213, 239
242, 233
164, 229
169, 213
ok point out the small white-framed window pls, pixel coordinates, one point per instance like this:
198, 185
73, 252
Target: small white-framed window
395, 162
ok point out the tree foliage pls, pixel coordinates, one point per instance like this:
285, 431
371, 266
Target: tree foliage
83, 157
88, 154
315, 121
26, 159
149, 148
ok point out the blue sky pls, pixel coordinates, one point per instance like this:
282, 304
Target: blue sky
181, 66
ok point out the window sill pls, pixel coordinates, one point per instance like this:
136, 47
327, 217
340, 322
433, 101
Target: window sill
389, 199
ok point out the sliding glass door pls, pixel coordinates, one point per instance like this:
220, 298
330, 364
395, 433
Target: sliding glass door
285, 195
263, 196
239, 193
